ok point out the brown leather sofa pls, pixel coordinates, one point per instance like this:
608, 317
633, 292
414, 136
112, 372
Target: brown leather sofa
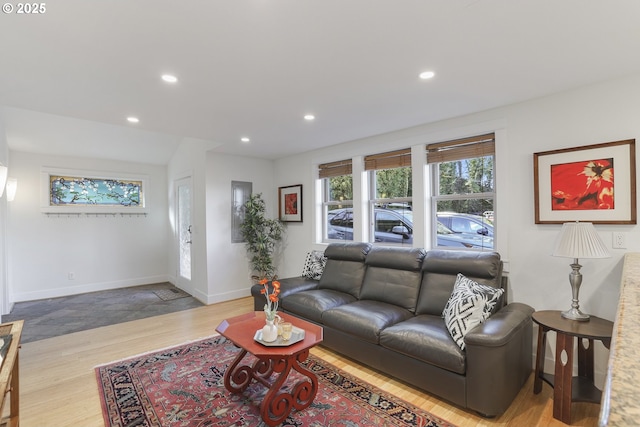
383, 307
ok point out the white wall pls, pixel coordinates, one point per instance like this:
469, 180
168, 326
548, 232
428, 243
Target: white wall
5, 302
600, 113
102, 252
227, 263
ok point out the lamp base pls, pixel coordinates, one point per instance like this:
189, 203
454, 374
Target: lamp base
575, 314
575, 278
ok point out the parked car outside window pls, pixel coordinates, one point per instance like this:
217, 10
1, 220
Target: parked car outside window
466, 223
393, 226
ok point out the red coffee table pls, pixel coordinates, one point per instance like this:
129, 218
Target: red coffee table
277, 403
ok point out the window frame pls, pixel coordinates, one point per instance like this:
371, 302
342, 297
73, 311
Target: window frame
385, 161
458, 150
326, 171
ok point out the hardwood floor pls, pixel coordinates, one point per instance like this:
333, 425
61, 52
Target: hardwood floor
58, 386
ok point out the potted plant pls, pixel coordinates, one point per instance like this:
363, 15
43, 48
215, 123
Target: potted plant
261, 236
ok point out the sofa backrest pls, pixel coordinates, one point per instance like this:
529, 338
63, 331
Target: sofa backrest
345, 267
440, 269
393, 275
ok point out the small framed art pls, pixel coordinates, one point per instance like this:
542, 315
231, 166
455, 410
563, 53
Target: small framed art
290, 203
592, 183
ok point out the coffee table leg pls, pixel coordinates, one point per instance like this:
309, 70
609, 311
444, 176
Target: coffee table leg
277, 405
305, 390
237, 378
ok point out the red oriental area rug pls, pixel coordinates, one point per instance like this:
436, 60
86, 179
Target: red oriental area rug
184, 386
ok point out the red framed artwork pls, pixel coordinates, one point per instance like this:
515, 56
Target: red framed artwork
592, 183
290, 203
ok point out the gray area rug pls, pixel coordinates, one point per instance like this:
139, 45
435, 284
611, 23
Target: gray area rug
59, 316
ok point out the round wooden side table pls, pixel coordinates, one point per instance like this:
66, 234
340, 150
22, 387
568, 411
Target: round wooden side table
566, 387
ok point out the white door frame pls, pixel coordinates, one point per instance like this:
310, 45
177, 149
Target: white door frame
184, 233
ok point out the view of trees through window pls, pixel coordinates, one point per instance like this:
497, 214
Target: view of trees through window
462, 196
338, 207
466, 177
391, 206
464, 199
340, 188
393, 183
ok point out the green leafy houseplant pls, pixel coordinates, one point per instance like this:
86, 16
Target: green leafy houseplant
261, 235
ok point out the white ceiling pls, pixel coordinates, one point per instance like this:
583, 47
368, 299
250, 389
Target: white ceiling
71, 76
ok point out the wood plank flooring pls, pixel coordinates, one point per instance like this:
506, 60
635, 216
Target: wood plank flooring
58, 386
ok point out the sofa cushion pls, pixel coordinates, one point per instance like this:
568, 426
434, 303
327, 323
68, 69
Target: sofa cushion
314, 265
311, 304
427, 339
469, 305
393, 276
364, 319
440, 269
345, 267
288, 286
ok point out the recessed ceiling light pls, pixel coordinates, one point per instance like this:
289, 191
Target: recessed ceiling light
426, 75
309, 117
245, 139
169, 78
133, 119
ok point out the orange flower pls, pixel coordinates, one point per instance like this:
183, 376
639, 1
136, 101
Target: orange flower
271, 307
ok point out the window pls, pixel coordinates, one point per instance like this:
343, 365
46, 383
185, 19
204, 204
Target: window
393, 226
337, 203
463, 189
391, 197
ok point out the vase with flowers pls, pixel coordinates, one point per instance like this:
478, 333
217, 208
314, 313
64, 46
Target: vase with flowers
270, 329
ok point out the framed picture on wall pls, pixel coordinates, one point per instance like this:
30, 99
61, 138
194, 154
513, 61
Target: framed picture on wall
592, 183
77, 191
290, 203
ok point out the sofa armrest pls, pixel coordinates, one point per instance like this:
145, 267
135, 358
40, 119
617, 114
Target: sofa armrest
288, 286
498, 329
499, 359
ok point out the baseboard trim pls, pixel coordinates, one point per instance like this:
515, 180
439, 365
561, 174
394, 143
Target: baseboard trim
226, 296
84, 288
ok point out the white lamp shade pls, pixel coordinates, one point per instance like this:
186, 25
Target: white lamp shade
579, 240
12, 186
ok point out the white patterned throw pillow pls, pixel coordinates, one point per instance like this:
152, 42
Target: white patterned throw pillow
469, 305
314, 265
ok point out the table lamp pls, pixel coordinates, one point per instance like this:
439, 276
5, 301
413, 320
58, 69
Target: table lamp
578, 240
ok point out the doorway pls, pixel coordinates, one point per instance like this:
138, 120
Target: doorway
184, 229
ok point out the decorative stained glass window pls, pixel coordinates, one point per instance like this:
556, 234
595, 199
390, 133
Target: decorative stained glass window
71, 190
90, 192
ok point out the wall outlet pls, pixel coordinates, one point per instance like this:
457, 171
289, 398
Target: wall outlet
619, 240
71, 275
